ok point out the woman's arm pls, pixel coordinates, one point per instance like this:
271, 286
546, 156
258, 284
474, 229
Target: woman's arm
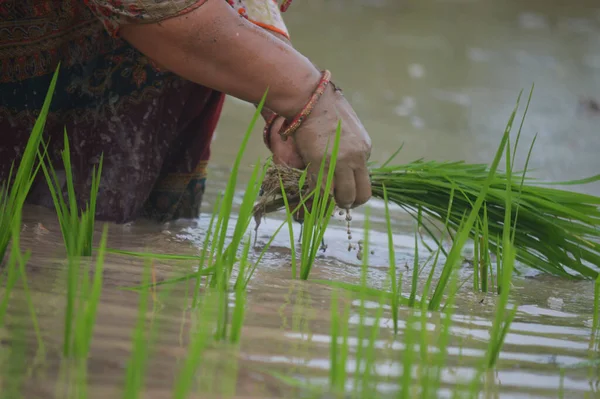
213, 46
266, 113
207, 42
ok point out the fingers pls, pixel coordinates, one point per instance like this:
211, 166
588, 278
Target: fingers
344, 187
312, 174
284, 152
363, 186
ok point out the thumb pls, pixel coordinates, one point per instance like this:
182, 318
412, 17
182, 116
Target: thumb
284, 152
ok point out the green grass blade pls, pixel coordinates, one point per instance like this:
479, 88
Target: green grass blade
463, 235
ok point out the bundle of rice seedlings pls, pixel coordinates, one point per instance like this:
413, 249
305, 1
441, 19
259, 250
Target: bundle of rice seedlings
271, 200
553, 230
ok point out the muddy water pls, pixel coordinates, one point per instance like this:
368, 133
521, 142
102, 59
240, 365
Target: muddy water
440, 76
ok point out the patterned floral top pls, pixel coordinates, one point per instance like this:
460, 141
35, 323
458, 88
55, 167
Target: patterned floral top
115, 13
153, 128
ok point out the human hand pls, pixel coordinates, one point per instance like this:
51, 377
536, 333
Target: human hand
284, 152
351, 184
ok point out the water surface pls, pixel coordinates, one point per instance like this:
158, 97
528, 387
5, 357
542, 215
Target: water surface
439, 76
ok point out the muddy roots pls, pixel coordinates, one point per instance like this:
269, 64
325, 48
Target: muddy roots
271, 197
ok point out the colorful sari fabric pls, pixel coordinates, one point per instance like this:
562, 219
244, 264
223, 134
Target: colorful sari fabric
153, 127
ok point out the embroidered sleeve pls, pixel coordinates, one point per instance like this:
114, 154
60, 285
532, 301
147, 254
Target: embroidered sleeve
115, 13
264, 13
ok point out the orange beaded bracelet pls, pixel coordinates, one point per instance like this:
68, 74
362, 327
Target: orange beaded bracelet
289, 128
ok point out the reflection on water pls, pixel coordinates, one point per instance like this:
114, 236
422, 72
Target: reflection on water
440, 76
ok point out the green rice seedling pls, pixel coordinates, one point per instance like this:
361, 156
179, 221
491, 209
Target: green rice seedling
14, 368
434, 381
207, 313
290, 224
464, 231
436, 254
239, 310
72, 289
367, 381
424, 364
11, 273
17, 369
16, 270
595, 316
476, 259
591, 365
302, 319
83, 313
395, 286
507, 215
407, 357
561, 384
136, 365
231, 329
503, 319
10, 276
85, 319
77, 227
430, 358
506, 231
486, 265
363, 379
415, 275
316, 219
224, 257
245, 217
360, 334
22, 261
338, 352
504, 274
13, 192
203, 254
143, 340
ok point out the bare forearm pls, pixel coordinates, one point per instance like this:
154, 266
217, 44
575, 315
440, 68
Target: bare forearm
214, 47
265, 112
